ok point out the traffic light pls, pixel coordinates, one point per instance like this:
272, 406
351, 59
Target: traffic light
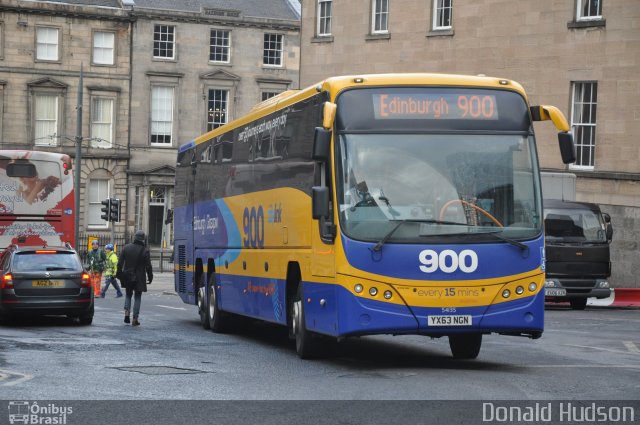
106, 209
114, 210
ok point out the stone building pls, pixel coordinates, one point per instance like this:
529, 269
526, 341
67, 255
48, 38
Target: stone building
157, 73
42, 47
197, 65
580, 55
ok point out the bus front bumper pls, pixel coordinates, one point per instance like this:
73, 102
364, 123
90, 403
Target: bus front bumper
352, 315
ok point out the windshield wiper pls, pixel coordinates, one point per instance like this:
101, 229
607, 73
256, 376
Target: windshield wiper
384, 240
496, 234
513, 242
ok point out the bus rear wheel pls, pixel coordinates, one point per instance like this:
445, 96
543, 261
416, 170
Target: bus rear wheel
466, 345
306, 345
202, 306
216, 318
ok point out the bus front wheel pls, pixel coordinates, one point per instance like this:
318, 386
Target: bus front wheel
465, 346
215, 317
305, 342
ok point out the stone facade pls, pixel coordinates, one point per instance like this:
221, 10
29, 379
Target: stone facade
23, 76
137, 171
191, 75
539, 44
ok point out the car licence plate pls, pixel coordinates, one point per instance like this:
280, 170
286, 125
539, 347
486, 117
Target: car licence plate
47, 283
449, 320
555, 292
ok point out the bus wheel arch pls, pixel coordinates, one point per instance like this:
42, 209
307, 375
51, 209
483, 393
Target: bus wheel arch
294, 279
307, 343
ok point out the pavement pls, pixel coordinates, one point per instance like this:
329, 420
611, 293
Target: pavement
620, 297
163, 282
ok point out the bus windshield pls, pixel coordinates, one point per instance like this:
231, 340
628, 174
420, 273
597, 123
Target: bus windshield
438, 186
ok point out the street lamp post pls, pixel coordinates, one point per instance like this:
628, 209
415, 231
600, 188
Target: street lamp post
78, 162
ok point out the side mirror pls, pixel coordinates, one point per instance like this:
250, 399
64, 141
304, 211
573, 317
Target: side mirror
608, 226
329, 115
320, 201
321, 145
567, 147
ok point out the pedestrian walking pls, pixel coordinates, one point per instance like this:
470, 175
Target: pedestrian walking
97, 261
134, 271
110, 271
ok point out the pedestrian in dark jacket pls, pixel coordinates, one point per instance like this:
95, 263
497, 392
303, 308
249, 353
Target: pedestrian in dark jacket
134, 272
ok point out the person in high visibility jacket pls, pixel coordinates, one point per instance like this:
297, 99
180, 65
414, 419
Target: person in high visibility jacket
111, 267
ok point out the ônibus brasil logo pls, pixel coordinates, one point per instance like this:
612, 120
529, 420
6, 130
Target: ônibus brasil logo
24, 412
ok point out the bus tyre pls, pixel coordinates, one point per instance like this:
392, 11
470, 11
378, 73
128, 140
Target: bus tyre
202, 306
465, 346
306, 345
215, 317
578, 304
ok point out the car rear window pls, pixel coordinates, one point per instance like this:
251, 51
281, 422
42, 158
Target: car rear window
31, 261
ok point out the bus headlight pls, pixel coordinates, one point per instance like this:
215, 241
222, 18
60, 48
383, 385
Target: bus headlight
533, 286
506, 293
373, 291
519, 290
387, 295
358, 288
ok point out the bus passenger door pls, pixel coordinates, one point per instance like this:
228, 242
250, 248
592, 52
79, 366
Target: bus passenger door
322, 256
324, 228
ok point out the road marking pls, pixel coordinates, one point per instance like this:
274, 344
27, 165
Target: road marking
11, 376
597, 348
172, 308
586, 366
633, 348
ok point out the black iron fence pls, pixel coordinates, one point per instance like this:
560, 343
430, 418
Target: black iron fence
161, 258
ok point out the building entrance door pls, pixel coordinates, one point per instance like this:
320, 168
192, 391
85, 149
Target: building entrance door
156, 214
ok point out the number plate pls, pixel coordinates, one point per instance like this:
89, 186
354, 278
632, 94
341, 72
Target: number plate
449, 320
47, 283
554, 292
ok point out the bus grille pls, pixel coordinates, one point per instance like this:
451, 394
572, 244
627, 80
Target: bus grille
182, 267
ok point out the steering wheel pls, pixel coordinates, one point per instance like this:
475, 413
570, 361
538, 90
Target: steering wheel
469, 204
367, 200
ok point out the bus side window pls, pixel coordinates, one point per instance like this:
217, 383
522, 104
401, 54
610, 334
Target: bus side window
21, 169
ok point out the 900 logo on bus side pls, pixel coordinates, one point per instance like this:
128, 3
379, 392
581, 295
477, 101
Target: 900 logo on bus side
253, 226
448, 261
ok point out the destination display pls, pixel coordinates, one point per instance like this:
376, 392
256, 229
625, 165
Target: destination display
410, 109
430, 106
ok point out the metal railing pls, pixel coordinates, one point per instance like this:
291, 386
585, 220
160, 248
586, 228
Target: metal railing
161, 259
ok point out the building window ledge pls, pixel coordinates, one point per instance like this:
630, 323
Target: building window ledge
441, 33
322, 39
375, 37
596, 23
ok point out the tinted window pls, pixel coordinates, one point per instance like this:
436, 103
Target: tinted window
574, 225
21, 169
30, 261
